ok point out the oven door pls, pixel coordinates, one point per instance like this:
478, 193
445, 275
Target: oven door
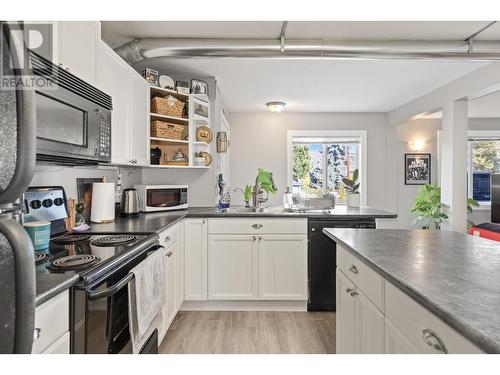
72, 127
107, 322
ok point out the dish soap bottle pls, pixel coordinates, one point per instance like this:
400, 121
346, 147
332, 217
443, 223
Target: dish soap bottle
288, 199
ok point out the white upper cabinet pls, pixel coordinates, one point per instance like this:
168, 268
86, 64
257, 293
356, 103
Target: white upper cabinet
139, 116
78, 48
114, 80
129, 119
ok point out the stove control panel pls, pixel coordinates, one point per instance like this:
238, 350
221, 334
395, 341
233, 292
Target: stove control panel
45, 204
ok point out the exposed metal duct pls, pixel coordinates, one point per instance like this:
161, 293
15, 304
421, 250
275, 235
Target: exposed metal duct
279, 48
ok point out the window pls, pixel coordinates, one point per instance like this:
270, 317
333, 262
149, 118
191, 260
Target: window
483, 160
318, 160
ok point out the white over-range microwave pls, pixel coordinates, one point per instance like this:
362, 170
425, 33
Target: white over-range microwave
162, 197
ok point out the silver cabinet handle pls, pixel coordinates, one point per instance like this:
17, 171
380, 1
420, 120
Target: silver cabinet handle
257, 226
433, 340
169, 254
36, 333
167, 238
349, 290
204, 221
353, 293
353, 269
260, 238
254, 238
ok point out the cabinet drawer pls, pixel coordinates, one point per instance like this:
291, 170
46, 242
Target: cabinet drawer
169, 236
52, 321
257, 226
371, 283
414, 322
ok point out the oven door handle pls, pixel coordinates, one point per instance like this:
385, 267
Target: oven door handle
108, 292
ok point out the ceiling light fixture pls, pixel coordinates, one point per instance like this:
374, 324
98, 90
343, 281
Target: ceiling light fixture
275, 106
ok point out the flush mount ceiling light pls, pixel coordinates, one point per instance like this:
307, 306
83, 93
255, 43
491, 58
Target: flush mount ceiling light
275, 106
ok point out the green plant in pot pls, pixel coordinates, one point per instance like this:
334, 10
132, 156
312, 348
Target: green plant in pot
430, 210
352, 189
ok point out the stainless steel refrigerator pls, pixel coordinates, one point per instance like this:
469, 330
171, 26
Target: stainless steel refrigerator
17, 163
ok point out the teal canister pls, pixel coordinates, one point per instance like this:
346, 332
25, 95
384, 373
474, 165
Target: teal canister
39, 232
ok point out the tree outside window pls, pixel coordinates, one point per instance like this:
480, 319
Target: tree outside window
318, 168
485, 160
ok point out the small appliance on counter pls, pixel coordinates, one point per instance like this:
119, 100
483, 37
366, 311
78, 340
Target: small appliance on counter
162, 197
129, 206
103, 202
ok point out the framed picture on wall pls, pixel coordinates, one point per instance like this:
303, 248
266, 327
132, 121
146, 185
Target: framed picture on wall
417, 169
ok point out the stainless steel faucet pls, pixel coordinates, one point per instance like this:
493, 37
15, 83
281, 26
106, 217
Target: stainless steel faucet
259, 195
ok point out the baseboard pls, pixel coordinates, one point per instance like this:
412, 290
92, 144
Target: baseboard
244, 306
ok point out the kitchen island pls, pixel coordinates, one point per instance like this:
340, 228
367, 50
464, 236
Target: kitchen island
453, 276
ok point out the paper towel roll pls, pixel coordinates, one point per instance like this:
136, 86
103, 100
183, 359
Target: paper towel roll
103, 202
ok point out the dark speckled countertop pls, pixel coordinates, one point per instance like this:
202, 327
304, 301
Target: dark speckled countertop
49, 285
155, 221
454, 275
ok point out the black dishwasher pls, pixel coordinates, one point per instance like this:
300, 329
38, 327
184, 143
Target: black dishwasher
322, 260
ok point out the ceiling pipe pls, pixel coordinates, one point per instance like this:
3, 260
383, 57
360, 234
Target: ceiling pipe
149, 48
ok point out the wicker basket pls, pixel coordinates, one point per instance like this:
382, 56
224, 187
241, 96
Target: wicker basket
162, 129
169, 106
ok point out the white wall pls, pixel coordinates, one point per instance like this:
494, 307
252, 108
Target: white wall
259, 139
49, 175
400, 197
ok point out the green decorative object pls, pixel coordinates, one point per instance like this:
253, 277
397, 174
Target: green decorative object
429, 209
266, 181
352, 185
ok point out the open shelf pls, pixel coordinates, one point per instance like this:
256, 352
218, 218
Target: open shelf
162, 91
173, 119
167, 140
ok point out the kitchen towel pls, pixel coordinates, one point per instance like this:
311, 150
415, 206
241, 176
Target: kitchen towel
146, 297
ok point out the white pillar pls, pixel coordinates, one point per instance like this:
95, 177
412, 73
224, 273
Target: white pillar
454, 164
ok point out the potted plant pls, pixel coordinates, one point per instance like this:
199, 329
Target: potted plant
352, 189
429, 209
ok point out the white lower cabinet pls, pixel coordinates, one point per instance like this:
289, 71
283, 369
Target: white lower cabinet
232, 267
52, 326
282, 267
373, 316
345, 316
395, 342
195, 260
369, 326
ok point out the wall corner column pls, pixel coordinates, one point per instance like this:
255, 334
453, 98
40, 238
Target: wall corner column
454, 164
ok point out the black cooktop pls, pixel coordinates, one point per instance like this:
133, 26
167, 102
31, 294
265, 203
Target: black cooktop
82, 253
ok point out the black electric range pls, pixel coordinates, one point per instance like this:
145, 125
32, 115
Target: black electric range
91, 255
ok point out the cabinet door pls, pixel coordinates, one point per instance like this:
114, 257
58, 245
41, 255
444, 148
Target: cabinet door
78, 43
139, 116
395, 342
369, 326
195, 260
171, 269
114, 80
282, 267
345, 316
232, 267
180, 267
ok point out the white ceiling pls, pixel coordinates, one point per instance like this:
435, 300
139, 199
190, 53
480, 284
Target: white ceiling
312, 85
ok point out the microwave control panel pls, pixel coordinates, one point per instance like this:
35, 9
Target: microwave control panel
105, 138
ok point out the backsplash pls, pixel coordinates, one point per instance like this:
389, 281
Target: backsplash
53, 175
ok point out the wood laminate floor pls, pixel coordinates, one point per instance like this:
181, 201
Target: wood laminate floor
250, 332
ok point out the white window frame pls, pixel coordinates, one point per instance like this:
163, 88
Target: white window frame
485, 134
362, 135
